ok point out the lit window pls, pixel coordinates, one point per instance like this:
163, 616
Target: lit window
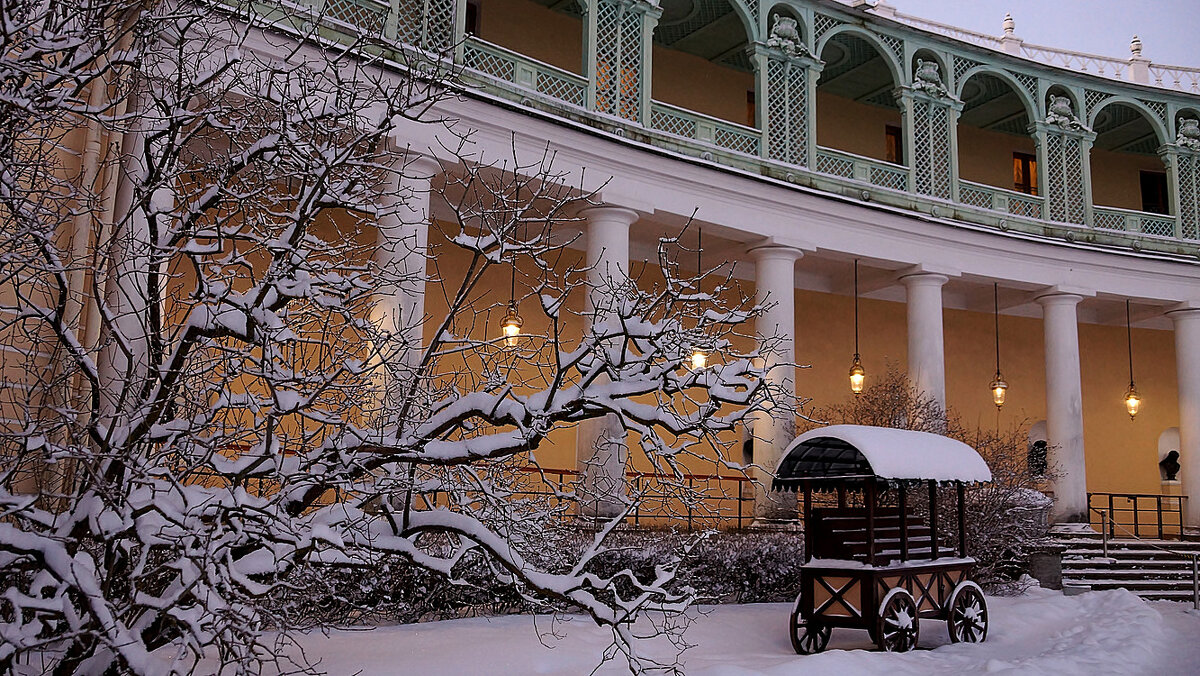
1025, 173
895, 145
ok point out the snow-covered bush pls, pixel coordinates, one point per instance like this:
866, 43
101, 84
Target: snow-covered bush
723, 567
211, 377
1007, 519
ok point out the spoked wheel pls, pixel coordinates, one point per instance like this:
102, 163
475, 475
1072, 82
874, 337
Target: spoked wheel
898, 625
967, 616
808, 636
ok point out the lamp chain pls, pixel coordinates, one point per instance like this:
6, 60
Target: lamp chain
1129, 341
855, 308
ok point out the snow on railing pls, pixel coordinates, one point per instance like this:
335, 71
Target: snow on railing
963, 34
1134, 69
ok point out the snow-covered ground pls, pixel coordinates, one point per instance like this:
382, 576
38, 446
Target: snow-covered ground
1042, 632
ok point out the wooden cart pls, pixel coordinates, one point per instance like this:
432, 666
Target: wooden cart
870, 562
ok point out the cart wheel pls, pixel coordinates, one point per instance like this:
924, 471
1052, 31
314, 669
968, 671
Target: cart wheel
808, 636
967, 615
898, 625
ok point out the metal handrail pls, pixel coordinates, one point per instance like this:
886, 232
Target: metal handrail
1134, 508
1106, 521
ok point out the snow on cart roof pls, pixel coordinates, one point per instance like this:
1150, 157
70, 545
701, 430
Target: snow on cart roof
861, 450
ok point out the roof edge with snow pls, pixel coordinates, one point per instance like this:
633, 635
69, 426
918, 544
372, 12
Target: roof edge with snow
861, 450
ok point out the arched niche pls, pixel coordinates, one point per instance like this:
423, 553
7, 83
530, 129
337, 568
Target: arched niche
995, 145
1037, 457
926, 54
1126, 171
701, 60
1167, 441
857, 111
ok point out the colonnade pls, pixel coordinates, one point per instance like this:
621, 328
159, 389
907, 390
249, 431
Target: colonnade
601, 450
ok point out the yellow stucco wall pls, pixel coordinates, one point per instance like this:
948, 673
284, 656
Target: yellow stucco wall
987, 156
1122, 455
698, 84
1116, 178
857, 128
533, 30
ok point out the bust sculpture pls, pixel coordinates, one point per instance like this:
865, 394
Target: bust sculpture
1170, 466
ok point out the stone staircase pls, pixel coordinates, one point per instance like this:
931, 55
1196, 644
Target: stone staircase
1136, 565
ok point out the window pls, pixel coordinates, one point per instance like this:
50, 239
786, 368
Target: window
1025, 177
472, 22
750, 108
894, 150
1154, 192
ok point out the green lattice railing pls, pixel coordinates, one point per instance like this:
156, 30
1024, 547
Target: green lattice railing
688, 124
431, 25
1112, 218
865, 169
1000, 199
509, 66
369, 16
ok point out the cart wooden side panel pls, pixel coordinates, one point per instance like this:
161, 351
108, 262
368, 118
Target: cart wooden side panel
850, 596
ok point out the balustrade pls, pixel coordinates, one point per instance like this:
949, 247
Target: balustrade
1111, 218
616, 83
688, 124
999, 199
859, 168
511, 67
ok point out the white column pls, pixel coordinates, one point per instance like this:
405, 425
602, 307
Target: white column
1064, 406
600, 449
401, 242
926, 346
125, 286
775, 425
1187, 366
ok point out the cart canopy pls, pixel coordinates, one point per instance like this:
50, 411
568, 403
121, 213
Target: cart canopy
851, 451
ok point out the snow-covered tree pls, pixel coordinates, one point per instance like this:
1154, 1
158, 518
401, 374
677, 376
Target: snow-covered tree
214, 373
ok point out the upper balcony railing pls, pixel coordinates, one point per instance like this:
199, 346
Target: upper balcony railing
1134, 69
785, 149
999, 199
692, 125
864, 169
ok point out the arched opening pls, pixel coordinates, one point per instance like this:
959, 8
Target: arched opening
550, 31
701, 64
995, 149
1127, 173
857, 112
1168, 465
1037, 459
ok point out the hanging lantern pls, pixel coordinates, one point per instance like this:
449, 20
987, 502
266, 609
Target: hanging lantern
999, 388
1133, 401
699, 357
858, 376
511, 326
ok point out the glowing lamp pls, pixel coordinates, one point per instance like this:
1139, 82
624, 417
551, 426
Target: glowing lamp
1133, 401
699, 359
999, 389
511, 326
858, 376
